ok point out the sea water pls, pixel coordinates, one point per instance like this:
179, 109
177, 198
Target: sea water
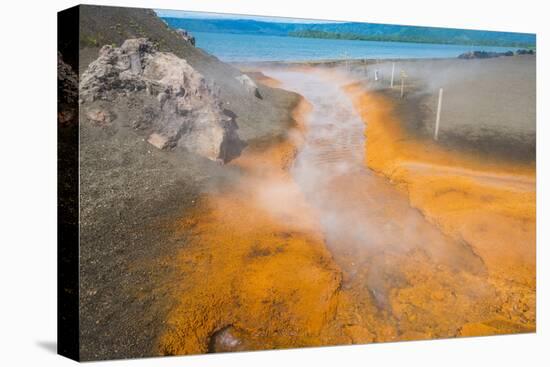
248, 48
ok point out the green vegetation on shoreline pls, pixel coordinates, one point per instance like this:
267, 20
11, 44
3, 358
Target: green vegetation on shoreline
358, 31
402, 38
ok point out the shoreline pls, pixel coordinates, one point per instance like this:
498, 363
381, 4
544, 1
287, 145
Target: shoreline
327, 62
351, 61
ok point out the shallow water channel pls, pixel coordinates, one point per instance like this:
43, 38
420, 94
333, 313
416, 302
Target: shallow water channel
407, 279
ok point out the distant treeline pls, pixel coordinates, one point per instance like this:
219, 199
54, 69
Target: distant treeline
357, 31
401, 38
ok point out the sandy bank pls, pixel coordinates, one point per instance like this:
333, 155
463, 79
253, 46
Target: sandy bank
488, 106
126, 181
489, 204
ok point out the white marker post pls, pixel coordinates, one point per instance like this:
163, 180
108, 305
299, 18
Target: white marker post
438, 115
392, 72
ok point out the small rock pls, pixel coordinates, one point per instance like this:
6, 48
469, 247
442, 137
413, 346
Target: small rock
158, 141
162, 97
225, 340
99, 116
249, 85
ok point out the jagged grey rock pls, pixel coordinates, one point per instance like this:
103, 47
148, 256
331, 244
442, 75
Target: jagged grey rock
187, 37
100, 116
185, 112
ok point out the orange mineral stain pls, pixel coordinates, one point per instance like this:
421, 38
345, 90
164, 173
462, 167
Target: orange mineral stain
256, 274
488, 204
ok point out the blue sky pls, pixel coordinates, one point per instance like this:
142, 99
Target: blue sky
203, 15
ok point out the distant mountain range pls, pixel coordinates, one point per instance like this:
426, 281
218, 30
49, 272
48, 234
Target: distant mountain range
357, 31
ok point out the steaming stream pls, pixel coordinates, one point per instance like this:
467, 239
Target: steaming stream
393, 260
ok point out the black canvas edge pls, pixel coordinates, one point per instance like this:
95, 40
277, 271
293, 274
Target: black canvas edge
68, 330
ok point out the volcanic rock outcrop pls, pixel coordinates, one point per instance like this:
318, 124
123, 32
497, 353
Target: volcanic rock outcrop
171, 101
187, 37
